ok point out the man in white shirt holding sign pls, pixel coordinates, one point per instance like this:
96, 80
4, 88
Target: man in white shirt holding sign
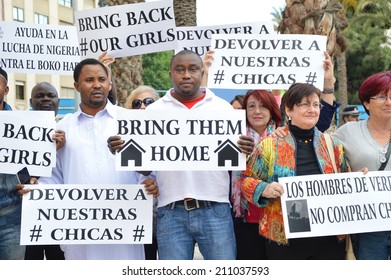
84, 159
193, 206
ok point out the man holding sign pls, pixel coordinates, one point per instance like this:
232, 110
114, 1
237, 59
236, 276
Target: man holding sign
10, 202
85, 159
193, 206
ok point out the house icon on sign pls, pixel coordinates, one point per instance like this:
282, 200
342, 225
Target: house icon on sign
131, 151
227, 151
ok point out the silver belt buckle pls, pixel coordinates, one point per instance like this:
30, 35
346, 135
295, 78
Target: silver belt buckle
191, 207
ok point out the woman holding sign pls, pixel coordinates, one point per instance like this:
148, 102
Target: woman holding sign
262, 117
369, 143
302, 152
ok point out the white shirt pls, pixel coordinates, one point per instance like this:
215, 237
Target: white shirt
202, 185
85, 159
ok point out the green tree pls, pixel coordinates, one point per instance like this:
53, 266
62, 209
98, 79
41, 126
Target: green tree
155, 70
157, 65
369, 49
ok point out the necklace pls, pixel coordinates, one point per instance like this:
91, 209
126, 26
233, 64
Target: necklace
305, 141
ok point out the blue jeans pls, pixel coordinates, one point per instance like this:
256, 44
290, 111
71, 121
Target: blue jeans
10, 236
211, 227
374, 245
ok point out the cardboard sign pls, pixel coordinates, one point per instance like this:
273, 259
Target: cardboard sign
38, 49
25, 141
332, 204
198, 38
243, 61
126, 30
171, 140
86, 214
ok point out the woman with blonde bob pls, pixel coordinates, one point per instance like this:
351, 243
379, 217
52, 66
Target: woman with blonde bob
141, 97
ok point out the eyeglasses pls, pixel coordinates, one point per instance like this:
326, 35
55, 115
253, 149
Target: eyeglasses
306, 106
381, 97
136, 104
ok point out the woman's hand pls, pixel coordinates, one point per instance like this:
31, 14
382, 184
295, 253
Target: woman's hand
273, 190
206, 63
364, 170
328, 70
106, 59
279, 132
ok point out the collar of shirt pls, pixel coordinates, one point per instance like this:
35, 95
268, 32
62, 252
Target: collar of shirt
110, 109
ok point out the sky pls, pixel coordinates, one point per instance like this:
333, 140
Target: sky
216, 12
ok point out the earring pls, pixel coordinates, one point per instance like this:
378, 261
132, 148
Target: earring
289, 118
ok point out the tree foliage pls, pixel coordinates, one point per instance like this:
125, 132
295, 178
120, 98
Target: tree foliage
369, 48
155, 70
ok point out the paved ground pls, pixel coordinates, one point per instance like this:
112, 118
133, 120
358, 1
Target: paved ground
197, 254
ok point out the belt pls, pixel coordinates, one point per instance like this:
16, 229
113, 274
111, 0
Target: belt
192, 204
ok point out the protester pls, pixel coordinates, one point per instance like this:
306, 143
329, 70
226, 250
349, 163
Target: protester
10, 202
193, 206
44, 97
237, 102
262, 117
368, 143
140, 98
302, 152
85, 158
350, 114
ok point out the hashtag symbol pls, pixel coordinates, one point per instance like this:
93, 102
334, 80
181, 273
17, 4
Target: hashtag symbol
35, 233
138, 233
219, 76
311, 78
83, 46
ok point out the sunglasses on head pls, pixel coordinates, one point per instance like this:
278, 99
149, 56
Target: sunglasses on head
136, 104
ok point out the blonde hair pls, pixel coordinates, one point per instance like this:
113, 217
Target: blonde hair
136, 92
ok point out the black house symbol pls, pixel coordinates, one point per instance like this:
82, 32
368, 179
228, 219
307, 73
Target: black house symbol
227, 151
131, 151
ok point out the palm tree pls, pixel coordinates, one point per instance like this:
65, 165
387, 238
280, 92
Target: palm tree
321, 17
341, 59
126, 70
277, 16
185, 12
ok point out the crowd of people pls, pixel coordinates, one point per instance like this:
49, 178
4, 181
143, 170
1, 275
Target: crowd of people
228, 214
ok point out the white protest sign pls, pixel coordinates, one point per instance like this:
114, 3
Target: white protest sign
333, 204
198, 38
25, 141
244, 61
172, 140
126, 30
86, 214
38, 49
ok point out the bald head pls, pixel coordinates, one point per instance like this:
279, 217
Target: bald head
44, 97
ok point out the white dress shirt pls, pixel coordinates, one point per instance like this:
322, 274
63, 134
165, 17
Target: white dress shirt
86, 159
